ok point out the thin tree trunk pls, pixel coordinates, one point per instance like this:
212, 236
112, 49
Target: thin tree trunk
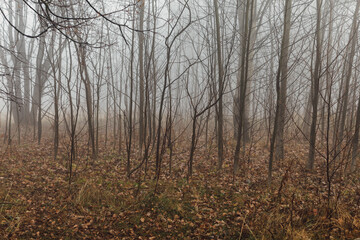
281, 84
220, 138
348, 72
243, 82
142, 132
86, 80
316, 81
283, 81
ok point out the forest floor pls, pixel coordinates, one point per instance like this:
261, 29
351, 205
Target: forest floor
37, 202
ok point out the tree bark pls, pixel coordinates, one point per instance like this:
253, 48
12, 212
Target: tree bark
281, 85
283, 68
220, 138
316, 84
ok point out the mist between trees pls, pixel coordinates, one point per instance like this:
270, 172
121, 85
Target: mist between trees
157, 82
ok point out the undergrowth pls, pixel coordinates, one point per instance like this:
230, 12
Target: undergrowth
36, 200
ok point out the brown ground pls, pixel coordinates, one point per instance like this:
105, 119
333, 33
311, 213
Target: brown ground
37, 202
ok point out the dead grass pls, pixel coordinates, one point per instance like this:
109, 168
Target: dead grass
101, 203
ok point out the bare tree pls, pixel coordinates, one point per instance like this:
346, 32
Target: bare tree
347, 73
142, 131
316, 86
220, 115
281, 90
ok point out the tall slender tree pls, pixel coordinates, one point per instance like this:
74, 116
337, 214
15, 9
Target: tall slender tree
281, 92
316, 86
220, 114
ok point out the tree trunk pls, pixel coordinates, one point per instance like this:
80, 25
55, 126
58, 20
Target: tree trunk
142, 132
281, 85
316, 84
347, 74
86, 80
243, 80
220, 140
283, 81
